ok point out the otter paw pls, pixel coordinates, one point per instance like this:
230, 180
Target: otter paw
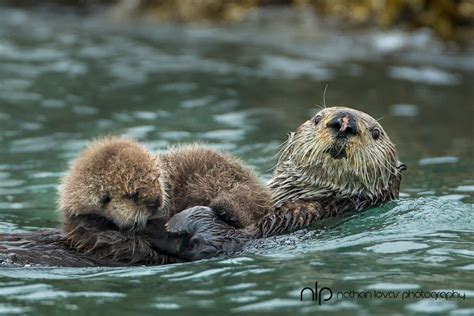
197, 233
190, 221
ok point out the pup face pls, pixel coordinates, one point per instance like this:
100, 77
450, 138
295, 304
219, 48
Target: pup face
344, 150
117, 179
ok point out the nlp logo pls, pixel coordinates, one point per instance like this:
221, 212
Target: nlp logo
317, 295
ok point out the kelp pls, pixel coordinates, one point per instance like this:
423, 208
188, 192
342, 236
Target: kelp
198, 10
450, 19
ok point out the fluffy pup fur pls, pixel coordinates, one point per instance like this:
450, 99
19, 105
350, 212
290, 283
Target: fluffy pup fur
115, 186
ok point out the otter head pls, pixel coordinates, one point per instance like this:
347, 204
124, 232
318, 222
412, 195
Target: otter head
344, 151
114, 179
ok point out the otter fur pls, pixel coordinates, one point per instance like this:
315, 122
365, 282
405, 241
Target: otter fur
338, 162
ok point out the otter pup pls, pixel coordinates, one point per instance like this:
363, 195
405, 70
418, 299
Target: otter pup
116, 186
106, 198
198, 176
339, 161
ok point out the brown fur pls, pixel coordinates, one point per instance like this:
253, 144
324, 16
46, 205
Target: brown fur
200, 176
106, 196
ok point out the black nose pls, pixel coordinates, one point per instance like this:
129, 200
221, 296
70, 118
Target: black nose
343, 124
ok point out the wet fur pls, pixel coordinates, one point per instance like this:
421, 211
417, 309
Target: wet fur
369, 175
43, 248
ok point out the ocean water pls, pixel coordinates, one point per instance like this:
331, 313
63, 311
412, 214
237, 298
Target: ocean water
66, 78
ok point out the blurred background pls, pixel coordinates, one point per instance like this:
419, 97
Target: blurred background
238, 75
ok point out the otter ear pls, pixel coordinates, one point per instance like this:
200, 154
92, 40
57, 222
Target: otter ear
290, 136
401, 166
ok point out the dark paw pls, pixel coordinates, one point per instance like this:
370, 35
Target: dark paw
196, 233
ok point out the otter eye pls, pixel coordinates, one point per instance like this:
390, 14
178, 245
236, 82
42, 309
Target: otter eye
317, 119
105, 199
375, 133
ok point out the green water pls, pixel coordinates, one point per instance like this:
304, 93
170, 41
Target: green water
66, 79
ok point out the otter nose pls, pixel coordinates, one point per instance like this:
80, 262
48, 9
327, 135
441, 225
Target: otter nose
343, 124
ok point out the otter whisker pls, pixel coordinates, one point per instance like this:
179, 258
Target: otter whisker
324, 95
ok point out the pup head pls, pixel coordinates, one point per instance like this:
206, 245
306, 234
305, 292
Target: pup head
116, 179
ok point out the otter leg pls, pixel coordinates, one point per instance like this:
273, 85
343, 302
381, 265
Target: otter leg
196, 233
288, 217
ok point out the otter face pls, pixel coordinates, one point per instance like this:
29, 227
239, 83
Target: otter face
345, 150
115, 179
